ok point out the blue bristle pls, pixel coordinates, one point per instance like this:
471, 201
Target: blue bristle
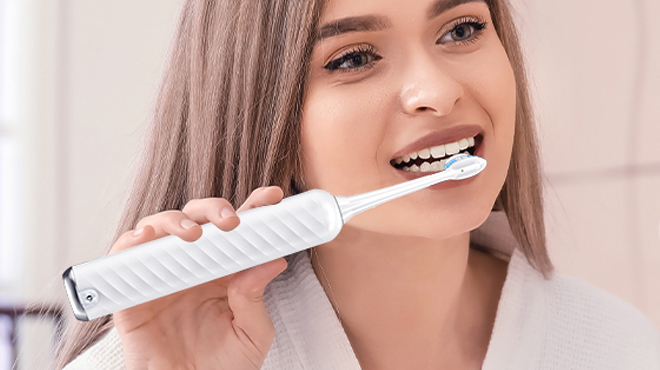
448, 164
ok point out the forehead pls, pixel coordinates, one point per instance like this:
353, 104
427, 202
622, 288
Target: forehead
413, 10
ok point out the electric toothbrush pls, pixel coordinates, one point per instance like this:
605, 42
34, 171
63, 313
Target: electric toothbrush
167, 265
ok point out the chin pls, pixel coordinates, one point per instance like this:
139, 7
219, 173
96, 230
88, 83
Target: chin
440, 227
436, 222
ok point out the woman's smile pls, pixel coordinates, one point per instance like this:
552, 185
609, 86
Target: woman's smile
389, 100
429, 153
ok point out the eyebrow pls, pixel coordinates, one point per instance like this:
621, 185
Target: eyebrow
442, 6
370, 23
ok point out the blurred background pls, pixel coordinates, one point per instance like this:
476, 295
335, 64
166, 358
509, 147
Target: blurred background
78, 80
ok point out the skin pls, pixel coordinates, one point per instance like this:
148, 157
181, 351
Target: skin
407, 288
220, 325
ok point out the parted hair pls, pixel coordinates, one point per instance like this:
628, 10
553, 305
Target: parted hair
227, 120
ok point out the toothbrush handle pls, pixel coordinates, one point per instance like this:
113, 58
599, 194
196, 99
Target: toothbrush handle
167, 265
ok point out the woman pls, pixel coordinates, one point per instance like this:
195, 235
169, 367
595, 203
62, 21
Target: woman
350, 97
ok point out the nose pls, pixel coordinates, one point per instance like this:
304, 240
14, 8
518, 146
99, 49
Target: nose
429, 88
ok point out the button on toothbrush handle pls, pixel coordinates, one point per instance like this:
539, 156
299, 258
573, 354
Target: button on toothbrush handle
152, 270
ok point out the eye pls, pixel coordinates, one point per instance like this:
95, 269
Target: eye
463, 31
354, 59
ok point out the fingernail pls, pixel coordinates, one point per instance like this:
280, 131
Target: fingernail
187, 223
227, 212
138, 232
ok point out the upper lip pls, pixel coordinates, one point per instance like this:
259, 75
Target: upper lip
436, 138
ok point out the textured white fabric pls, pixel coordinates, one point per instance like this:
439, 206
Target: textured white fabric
561, 323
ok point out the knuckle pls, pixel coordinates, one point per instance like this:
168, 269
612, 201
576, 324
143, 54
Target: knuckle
123, 242
171, 214
233, 290
125, 237
191, 204
219, 203
252, 294
159, 218
206, 203
257, 190
144, 220
270, 331
258, 196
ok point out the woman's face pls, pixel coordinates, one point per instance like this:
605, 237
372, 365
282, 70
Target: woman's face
391, 80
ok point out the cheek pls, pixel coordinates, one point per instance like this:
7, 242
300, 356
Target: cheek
340, 137
493, 85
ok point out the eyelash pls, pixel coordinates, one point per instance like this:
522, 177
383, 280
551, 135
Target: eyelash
477, 24
333, 66
369, 50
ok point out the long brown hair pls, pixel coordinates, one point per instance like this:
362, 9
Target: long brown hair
226, 121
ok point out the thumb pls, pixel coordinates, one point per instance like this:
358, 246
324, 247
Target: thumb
245, 296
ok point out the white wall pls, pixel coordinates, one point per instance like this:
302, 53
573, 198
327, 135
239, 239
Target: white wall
89, 77
594, 65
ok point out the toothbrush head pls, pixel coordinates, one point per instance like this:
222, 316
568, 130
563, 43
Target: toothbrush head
465, 165
456, 158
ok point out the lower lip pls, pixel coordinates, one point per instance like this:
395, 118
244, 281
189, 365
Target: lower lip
445, 185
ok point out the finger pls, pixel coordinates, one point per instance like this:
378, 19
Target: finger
251, 198
245, 297
264, 196
216, 210
132, 238
172, 223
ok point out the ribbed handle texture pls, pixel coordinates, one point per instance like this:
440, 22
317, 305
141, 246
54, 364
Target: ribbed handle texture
169, 264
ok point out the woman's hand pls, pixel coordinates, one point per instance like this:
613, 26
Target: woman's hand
219, 325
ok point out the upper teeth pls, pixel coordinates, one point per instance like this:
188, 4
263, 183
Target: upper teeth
437, 151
